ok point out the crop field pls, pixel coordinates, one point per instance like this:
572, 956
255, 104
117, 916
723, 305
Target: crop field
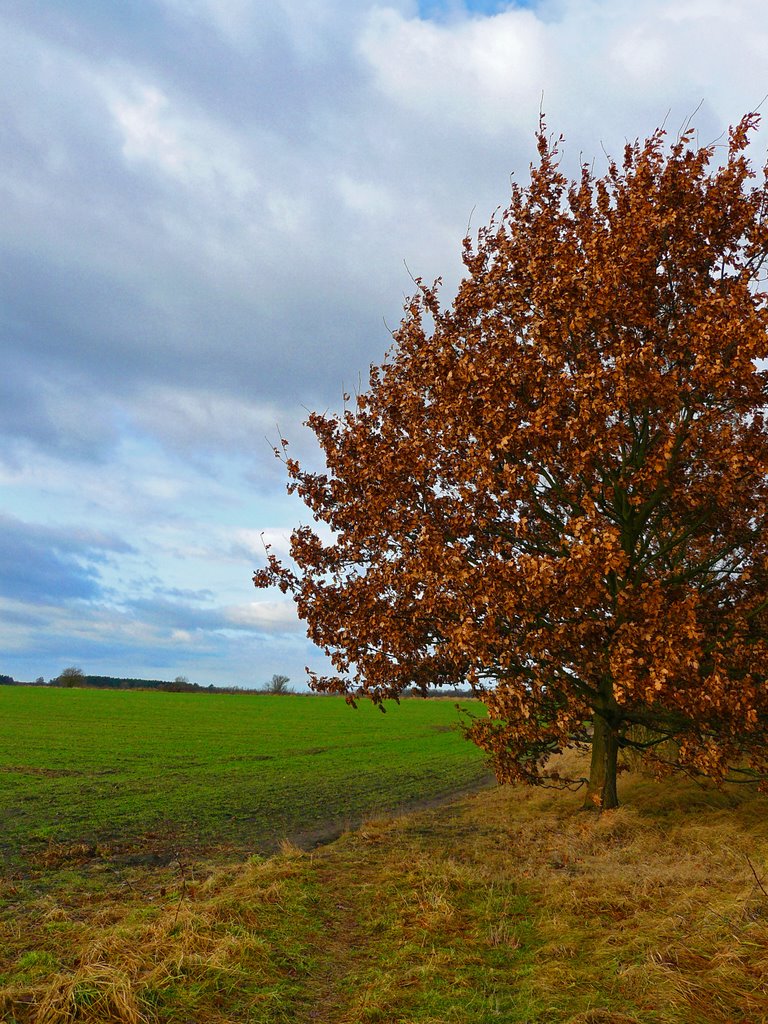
144, 775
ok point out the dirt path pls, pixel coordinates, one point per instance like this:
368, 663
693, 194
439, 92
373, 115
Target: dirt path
350, 955
344, 942
310, 839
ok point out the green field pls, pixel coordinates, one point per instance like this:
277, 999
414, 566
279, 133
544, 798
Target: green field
156, 773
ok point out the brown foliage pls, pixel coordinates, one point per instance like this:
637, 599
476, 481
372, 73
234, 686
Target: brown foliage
556, 489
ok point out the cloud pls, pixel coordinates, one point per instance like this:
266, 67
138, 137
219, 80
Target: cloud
195, 420
41, 563
254, 543
177, 617
481, 76
594, 66
265, 617
160, 238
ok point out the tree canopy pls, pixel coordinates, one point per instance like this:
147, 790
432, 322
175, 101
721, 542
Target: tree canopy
278, 684
70, 677
555, 490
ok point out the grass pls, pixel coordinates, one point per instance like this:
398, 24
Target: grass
509, 905
143, 774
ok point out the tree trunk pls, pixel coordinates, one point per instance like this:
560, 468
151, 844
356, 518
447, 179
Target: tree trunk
601, 792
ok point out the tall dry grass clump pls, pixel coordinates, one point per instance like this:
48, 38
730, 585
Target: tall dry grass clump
134, 965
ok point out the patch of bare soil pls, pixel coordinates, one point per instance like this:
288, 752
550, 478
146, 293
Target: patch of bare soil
328, 832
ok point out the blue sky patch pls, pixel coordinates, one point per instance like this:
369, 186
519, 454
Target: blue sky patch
439, 9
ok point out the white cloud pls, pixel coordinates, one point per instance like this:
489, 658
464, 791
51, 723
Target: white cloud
188, 147
148, 134
369, 198
163, 489
256, 542
269, 616
487, 76
480, 74
200, 419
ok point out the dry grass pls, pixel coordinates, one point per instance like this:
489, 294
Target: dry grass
511, 905
123, 956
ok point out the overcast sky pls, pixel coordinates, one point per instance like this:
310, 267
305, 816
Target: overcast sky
207, 208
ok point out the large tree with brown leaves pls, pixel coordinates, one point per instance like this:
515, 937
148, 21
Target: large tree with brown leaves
556, 490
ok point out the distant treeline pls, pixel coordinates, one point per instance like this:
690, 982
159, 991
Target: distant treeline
116, 683
181, 685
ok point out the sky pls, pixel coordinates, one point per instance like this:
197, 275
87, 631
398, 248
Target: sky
211, 212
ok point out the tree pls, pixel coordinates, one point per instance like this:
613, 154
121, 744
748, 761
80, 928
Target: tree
555, 490
71, 677
278, 684
180, 684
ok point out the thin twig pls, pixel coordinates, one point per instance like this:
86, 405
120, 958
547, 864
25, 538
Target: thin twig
759, 883
183, 891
